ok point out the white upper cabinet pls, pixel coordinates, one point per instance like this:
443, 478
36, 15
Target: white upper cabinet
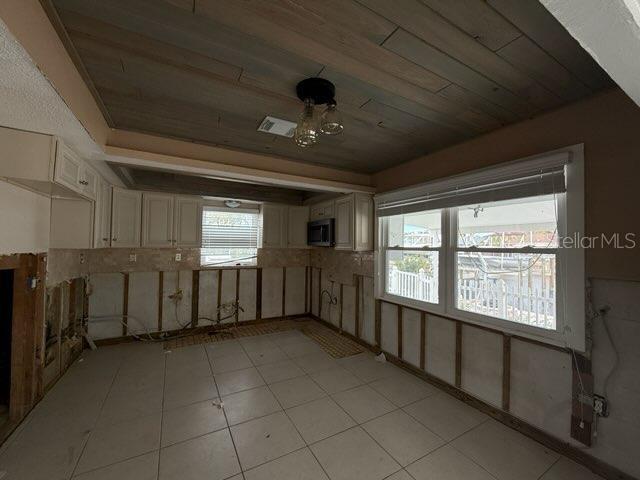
157, 220
171, 221
274, 226
126, 218
45, 164
322, 210
68, 168
74, 173
188, 221
344, 223
297, 227
89, 182
102, 216
363, 222
353, 220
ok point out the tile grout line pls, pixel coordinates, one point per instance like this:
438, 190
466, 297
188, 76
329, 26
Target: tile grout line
226, 419
356, 423
327, 395
164, 388
306, 445
86, 442
116, 375
551, 466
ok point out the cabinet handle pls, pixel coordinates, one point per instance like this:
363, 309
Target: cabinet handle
84, 182
105, 239
114, 239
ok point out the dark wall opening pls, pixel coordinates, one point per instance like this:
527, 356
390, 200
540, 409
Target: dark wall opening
6, 320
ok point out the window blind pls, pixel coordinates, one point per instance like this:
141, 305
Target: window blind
229, 229
521, 179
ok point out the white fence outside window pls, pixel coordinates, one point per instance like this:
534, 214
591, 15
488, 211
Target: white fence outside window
492, 297
417, 286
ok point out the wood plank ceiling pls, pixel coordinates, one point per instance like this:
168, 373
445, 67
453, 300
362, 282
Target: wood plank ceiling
412, 76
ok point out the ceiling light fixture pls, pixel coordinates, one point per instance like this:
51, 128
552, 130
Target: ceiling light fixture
232, 203
317, 91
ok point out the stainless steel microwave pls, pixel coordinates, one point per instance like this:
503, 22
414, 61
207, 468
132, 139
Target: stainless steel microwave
320, 233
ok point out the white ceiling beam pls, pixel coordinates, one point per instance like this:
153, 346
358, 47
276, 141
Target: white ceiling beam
170, 163
610, 31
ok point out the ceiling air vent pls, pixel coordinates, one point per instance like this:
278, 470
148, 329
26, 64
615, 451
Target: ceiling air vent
277, 126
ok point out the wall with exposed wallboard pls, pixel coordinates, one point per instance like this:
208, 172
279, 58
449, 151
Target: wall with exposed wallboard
540, 384
366, 308
411, 329
349, 304
228, 290
389, 328
143, 302
106, 305
272, 284
176, 314
315, 290
208, 295
482, 364
328, 286
295, 291
440, 348
537, 386
541, 387
247, 295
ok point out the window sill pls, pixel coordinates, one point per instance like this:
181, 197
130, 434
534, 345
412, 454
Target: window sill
229, 267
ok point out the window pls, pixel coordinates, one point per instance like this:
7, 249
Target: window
229, 236
505, 260
413, 256
485, 248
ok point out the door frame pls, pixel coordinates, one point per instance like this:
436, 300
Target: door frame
27, 340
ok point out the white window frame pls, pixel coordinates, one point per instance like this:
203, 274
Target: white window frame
570, 269
219, 206
382, 263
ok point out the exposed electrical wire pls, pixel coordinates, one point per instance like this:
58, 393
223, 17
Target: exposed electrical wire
602, 313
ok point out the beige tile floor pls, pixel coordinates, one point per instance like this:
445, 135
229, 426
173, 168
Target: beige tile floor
262, 408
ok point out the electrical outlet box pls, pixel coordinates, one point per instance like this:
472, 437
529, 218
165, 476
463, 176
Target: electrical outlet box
178, 257
133, 257
600, 406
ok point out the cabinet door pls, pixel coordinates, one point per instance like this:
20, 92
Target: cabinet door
68, 168
88, 182
363, 240
297, 228
273, 226
102, 229
126, 218
328, 210
321, 211
316, 212
188, 222
157, 220
344, 223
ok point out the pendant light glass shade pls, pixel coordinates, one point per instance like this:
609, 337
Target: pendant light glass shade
331, 120
306, 133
